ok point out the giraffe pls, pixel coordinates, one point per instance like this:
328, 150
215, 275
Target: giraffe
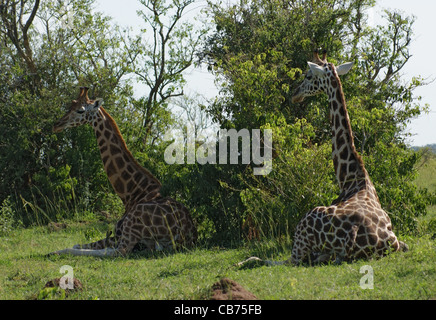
149, 220
354, 225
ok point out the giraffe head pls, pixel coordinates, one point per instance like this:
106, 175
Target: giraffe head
319, 78
82, 110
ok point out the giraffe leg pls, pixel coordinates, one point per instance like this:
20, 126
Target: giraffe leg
109, 242
108, 252
100, 248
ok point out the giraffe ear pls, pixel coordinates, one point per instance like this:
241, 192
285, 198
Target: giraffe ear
344, 68
316, 69
98, 103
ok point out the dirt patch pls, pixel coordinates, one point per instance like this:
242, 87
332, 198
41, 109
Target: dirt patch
56, 283
227, 289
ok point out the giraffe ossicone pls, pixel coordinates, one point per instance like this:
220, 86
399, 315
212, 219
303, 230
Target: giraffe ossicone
150, 220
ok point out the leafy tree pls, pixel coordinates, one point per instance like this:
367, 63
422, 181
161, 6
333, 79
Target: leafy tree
257, 51
43, 61
161, 63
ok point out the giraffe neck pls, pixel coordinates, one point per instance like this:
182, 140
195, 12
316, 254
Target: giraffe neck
130, 180
349, 168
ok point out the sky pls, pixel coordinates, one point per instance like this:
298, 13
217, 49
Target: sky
423, 129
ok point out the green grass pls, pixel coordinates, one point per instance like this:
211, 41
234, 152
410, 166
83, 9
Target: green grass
24, 270
427, 175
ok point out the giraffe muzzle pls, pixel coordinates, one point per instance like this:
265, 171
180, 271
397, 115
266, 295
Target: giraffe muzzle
297, 98
59, 126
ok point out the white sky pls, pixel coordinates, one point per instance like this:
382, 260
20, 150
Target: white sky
423, 45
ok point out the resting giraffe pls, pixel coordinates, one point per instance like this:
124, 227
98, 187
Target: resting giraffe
149, 219
355, 225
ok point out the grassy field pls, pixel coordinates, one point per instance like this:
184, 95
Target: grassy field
25, 268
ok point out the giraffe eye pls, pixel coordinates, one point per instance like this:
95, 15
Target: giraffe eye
81, 110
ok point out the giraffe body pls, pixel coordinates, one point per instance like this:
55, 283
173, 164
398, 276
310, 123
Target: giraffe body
150, 221
354, 226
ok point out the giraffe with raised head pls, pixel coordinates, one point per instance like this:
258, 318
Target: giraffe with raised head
354, 225
149, 220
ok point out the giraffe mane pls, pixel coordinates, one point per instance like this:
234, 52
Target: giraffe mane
117, 132
341, 98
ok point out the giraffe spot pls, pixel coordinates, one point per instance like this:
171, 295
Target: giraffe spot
119, 186
108, 125
322, 237
372, 239
334, 83
330, 237
344, 154
157, 220
137, 177
103, 149
337, 121
120, 163
340, 233
344, 123
98, 134
167, 208
101, 143
318, 224
110, 170
146, 219
162, 230
343, 171
352, 166
382, 234
125, 175
337, 243
343, 113
327, 228
361, 240
381, 224
114, 149
105, 159
367, 222
170, 220
346, 225
130, 168
334, 105
355, 219
101, 127
333, 94
340, 141
107, 134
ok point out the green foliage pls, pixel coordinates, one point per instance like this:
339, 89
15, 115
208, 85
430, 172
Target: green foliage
8, 220
258, 49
